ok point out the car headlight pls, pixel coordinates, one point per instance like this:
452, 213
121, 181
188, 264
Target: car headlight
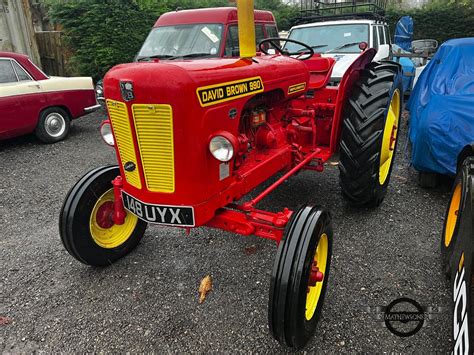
221, 148
106, 133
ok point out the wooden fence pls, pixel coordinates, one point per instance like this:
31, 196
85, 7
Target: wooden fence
53, 54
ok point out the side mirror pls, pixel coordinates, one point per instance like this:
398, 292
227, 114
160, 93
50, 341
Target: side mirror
363, 46
383, 52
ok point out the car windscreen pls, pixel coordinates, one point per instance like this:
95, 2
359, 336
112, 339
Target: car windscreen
183, 40
343, 38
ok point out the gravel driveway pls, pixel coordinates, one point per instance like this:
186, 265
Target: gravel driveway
148, 301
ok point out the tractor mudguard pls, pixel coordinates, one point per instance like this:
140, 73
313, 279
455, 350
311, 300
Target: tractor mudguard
345, 87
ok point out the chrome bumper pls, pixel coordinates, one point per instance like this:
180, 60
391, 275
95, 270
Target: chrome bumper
92, 108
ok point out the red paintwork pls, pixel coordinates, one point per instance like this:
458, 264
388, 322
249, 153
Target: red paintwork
263, 224
301, 131
227, 16
315, 275
224, 15
25, 62
119, 213
104, 215
20, 113
319, 71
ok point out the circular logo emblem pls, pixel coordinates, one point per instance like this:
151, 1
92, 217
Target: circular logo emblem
129, 166
404, 317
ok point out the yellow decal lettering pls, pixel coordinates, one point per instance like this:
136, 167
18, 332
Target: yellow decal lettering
218, 93
296, 88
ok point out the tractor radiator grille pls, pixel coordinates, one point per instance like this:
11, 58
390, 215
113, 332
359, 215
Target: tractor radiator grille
123, 135
154, 128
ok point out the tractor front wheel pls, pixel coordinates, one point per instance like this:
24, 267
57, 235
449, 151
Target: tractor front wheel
300, 277
87, 229
369, 135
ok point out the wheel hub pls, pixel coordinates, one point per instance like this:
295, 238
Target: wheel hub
55, 125
315, 275
104, 231
393, 137
104, 215
389, 138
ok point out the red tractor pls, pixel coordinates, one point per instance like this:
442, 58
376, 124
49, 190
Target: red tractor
194, 137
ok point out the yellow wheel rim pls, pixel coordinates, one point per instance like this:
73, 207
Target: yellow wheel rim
390, 134
452, 217
116, 235
321, 257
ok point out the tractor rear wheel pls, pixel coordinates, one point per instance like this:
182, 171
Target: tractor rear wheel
369, 135
300, 277
86, 226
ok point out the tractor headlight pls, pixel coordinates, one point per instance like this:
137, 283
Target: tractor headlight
106, 133
221, 148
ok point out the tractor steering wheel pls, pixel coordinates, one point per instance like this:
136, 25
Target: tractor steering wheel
301, 55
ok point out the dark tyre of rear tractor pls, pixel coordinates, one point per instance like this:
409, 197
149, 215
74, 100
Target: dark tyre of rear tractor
371, 120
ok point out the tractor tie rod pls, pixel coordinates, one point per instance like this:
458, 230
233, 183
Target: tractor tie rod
251, 204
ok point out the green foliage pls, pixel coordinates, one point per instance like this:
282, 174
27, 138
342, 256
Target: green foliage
101, 33
440, 20
284, 14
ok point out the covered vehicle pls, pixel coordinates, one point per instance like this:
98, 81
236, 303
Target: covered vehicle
441, 117
408, 68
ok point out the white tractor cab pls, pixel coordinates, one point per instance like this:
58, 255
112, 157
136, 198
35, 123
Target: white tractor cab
343, 34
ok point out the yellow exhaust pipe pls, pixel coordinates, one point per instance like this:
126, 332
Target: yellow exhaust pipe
246, 28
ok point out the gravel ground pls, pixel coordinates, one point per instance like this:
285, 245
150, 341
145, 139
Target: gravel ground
148, 301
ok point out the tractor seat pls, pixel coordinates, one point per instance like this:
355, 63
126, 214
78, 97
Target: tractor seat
320, 69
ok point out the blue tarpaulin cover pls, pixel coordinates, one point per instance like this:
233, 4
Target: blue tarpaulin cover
404, 33
442, 108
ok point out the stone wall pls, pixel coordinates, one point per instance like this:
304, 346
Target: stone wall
16, 29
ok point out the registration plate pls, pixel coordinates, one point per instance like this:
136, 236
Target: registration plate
160, 214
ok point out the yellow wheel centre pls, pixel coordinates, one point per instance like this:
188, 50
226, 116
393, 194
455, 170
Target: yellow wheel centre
314, 292
390, 134
452, 215
113, 235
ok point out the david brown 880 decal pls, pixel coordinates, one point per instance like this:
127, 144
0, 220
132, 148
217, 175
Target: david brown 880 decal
159, 214
232, 90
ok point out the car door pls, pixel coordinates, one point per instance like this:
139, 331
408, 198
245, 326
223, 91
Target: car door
9, 106
383, 49
231, 48
21, 99
33, 98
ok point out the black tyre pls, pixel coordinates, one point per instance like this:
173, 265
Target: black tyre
300, 276
369, 133
86, 226
53, 125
